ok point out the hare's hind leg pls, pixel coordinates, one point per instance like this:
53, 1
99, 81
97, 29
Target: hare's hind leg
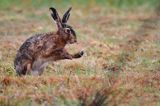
23, 69
20, 70
38, 67
29, 68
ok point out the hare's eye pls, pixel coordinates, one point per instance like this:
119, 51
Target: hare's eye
67, 30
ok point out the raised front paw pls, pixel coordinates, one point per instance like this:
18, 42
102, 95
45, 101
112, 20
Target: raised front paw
68, 57
81, 53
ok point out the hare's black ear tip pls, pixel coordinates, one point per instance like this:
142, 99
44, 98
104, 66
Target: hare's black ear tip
51, 8
70, 8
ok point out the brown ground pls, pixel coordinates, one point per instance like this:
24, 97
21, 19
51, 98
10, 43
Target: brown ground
121, 62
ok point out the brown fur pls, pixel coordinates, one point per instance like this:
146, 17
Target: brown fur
40, 49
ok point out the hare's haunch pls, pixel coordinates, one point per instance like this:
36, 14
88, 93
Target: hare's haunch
38, 50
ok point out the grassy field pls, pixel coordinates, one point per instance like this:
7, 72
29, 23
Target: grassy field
121, 65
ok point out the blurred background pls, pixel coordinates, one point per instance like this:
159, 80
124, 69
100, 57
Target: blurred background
121, 40
36, 10
82, 3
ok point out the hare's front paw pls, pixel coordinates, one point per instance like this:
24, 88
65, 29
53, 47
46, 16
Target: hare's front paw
78, 55
81, 53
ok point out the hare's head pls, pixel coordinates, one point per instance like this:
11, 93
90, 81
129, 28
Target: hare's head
64, 30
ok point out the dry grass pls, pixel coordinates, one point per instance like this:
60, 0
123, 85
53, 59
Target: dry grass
121, 65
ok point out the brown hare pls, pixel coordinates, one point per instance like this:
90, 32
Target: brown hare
34, 54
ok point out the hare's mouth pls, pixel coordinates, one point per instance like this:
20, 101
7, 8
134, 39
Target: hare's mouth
72, 42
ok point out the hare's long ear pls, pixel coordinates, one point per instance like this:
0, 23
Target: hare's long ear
66, 15
56, 17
